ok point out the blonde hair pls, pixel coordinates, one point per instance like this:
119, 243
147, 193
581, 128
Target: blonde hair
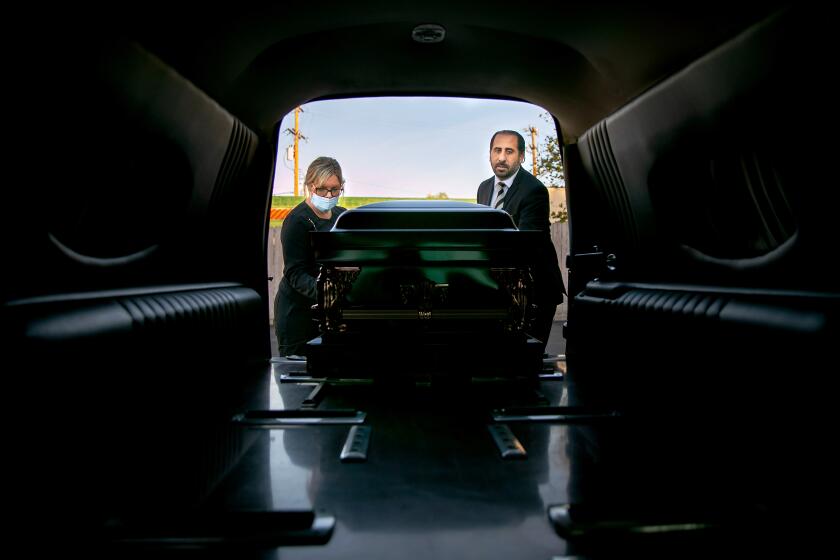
322, 169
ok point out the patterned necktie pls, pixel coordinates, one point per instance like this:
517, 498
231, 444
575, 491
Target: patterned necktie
500, 198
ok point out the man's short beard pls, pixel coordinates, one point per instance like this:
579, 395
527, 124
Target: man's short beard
511, 171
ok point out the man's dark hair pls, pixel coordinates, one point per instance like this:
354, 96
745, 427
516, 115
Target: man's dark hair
520, 141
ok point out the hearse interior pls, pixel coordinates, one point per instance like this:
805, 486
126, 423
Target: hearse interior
687, 418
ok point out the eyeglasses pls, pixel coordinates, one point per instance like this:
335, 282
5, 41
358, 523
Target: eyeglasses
322, 191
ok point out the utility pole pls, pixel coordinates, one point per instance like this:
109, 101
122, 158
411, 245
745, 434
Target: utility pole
296, 133
533, 131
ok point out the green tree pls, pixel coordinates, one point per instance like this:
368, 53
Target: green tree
550, 167
550, 159
438, 196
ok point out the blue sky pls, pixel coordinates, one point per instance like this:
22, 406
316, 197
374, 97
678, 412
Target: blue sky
405, 146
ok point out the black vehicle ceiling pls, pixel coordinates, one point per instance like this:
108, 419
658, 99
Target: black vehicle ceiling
579, 61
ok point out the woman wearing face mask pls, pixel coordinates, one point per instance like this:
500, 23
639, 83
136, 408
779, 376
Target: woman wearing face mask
293, 319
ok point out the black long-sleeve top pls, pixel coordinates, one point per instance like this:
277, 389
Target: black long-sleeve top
299, 268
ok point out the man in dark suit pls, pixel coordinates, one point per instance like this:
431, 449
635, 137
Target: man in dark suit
525, 198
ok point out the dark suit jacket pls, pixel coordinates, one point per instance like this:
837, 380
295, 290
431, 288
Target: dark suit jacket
527, 203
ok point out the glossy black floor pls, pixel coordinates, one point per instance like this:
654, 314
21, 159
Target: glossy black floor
433, 484
490, 468
521, 467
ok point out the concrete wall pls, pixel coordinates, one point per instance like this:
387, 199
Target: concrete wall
275, 268
556, 199
560, 238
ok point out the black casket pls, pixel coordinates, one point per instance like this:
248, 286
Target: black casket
424, 288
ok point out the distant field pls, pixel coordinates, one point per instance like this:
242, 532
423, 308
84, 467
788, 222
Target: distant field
346, 202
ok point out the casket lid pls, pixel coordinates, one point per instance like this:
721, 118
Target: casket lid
423, 214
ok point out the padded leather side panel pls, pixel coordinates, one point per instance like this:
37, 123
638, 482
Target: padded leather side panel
687, 348
139, 387
709, 176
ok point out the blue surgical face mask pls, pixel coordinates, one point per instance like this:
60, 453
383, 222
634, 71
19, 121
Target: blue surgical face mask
323, 203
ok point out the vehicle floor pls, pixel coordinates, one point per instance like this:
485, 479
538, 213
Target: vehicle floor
435, 482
